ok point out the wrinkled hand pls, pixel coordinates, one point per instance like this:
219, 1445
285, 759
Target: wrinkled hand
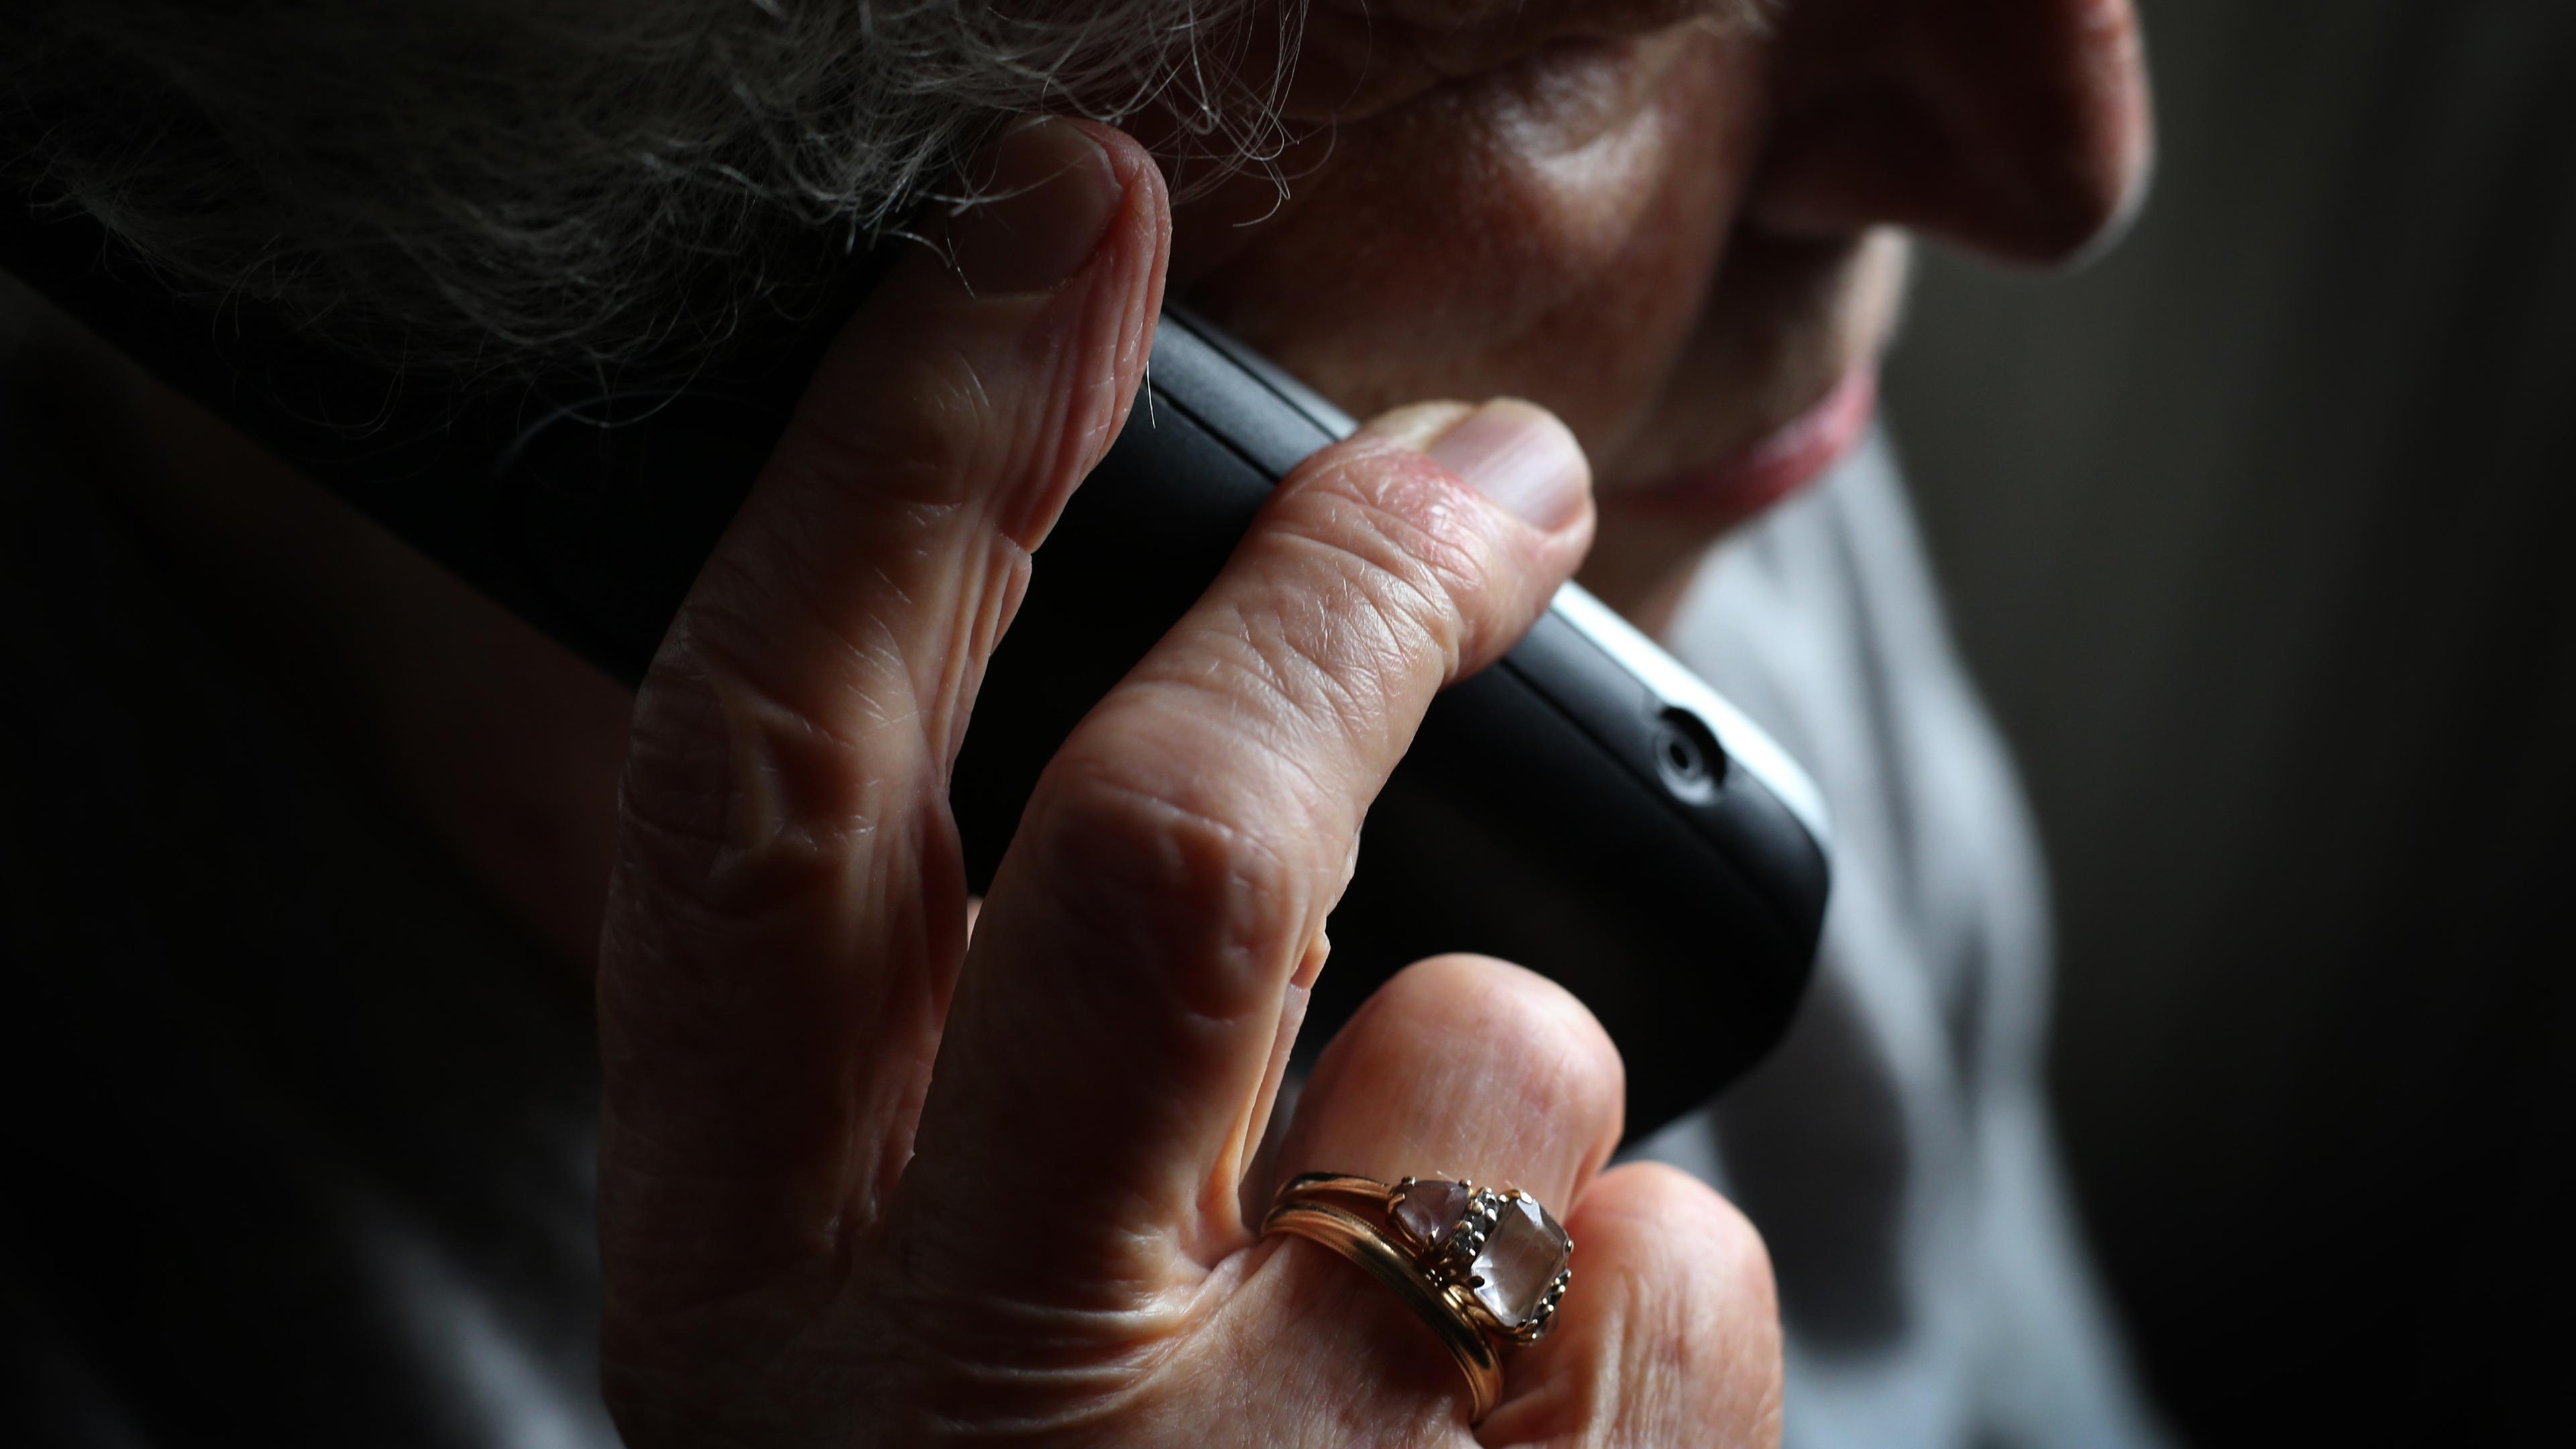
864, 1183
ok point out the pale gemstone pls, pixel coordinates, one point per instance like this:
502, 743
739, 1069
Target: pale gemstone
1525, 1253
1430, 1210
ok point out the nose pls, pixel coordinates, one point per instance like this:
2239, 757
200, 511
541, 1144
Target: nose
2018, 129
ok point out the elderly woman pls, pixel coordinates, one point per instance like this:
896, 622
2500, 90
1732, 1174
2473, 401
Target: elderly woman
874, 1168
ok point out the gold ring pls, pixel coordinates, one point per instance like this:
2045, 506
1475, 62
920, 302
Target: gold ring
1484, 1267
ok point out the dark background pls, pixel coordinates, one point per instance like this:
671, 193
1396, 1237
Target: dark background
2259, 534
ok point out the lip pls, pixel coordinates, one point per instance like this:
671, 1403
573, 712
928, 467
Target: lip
1773, 466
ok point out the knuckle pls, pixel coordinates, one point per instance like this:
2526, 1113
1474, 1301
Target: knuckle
1408, 540
1566, 1068
1295, 678
922, 436
1188, 892
735, 801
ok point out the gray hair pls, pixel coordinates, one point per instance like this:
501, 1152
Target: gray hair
524, 186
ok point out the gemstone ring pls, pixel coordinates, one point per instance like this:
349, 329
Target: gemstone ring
1484, 1267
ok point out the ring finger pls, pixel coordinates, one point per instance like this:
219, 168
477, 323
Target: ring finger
1461, 1068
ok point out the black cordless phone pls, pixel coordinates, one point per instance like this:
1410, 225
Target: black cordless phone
1585, 807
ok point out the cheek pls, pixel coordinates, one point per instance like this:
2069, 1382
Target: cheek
1548, 233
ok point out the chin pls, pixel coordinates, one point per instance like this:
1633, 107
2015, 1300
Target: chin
1790, 329
1778, 384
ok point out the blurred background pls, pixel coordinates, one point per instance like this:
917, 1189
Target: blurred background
2258, 534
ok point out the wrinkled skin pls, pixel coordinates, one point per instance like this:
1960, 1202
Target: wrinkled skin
864, 1183
868, 1181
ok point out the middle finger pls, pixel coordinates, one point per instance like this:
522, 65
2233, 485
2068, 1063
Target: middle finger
1101, 1072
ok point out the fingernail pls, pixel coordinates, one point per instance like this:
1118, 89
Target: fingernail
1521, 457
1044, 196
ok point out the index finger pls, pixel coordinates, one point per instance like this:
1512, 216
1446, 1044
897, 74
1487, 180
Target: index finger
788, 904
